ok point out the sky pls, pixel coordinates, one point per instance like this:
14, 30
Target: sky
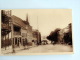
45, 20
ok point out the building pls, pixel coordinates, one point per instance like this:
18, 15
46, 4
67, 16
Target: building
37, 37
22, 31
19, 30
13, 28
5, 28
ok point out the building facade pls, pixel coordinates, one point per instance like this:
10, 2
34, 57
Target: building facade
15, 31
5, 28
37, 37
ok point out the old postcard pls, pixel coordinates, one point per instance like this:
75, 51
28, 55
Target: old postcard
36, 31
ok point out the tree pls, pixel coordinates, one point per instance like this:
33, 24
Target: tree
54, 35
68, 36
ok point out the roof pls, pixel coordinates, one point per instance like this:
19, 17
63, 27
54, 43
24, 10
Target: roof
18, 21
27, 23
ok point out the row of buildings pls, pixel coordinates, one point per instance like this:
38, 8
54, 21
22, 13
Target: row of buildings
15, 31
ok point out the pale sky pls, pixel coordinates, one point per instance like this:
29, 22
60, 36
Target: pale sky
48, 19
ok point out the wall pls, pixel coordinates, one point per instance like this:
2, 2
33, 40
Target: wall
24, 33
29, 34
46, 4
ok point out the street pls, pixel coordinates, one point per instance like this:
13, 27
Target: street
41, 49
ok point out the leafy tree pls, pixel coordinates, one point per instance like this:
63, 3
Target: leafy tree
54, 35
68, 36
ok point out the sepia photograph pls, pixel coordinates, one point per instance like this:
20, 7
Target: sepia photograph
36, 31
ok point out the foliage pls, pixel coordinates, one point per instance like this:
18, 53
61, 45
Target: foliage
54, 35
67, 36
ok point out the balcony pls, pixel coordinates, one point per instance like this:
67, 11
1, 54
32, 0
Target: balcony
5, 26
17, 33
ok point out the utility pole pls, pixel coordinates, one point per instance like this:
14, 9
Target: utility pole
37, 32
8, 31
12, 36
